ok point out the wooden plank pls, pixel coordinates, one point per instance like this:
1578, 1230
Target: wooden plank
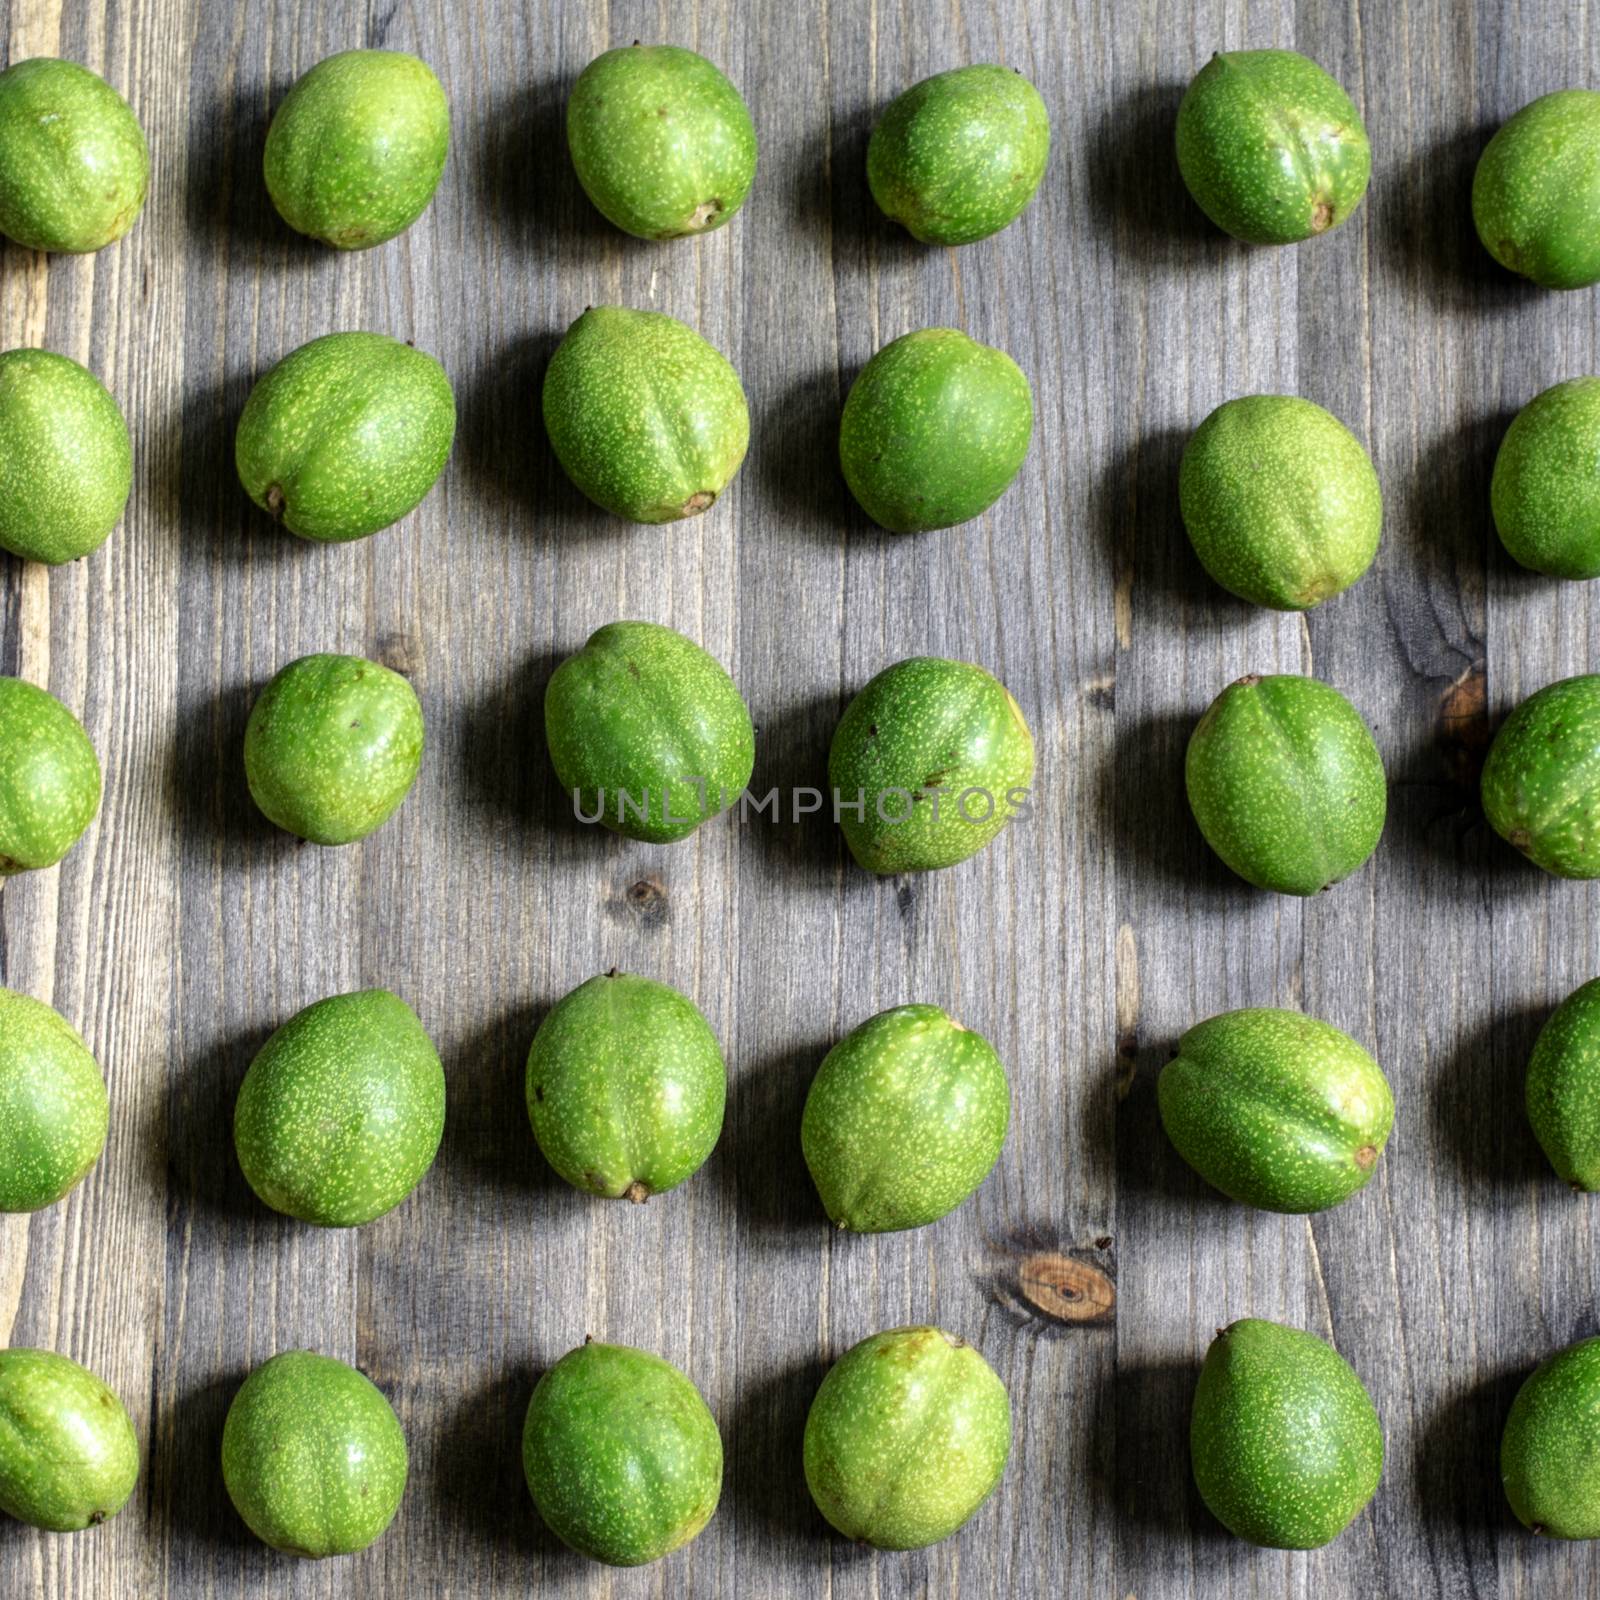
184, 928
94, 936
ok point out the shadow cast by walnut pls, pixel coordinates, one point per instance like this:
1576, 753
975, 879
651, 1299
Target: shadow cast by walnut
795, 457
1456, 1463
186, 1488
1134, 505
476, 1472
1477, 1109
1422, 206
1145, 807
793, 736
767, 1426
488, 1142
1138, 197
761, 1161
524, 181
201, 1168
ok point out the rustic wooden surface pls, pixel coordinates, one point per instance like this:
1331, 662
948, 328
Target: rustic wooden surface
183, 928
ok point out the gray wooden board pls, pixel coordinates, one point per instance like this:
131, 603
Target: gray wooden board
1093, 1267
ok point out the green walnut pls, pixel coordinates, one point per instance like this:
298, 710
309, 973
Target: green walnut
1550, 1450
342, 1110
1563, 1088
1536, 193
346, 435
626, 1087
905, 1118
645, 417
622, 1456
74, 165
49, 778
662, 142
1546, 487
66, 463
929, 763
1271, 147
1286, 783
356, 149
53, 1105
1280, 501
906, 1438
647, 732
1286, 1445
934, 430
1275, 1109
68, 1454
1541, 787
332, 747
313, 1456
960, 155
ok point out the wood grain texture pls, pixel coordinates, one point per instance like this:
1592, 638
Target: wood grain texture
1093, 1267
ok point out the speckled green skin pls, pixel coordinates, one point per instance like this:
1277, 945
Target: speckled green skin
1550, 1451
1271, 147
341, 1113
906, 1438
356, 149
626, 1087
1563, 1088
1286, 783
960, 155
346, 435
313, 1456
662, 142
332, 747
1541, 781
1276, 1109
1286, 1445
642, 710
934, 729
66, 463
934, 430
53, 1105
1536, 193
1546, 487
1280, 501
622, 1456
645, 417
905, 1118
68, 1454
74, 166
49, 778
